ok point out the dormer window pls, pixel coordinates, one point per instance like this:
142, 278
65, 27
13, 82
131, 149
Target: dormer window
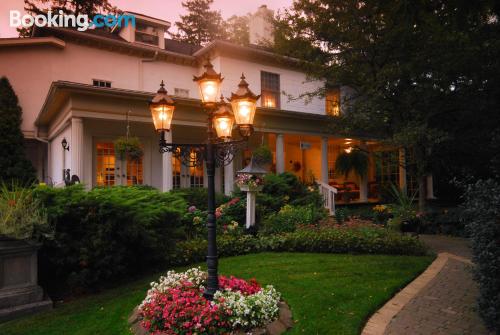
146, 34
332, 101
101, 83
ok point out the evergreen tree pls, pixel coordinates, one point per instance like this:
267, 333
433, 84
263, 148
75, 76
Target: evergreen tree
74, 7
238, 31
14, 166
200, 25
419, 72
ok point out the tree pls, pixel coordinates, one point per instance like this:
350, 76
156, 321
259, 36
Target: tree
200, 25
238, 30
418, 71
74, 7
14, 166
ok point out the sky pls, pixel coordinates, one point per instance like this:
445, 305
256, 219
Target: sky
168, 10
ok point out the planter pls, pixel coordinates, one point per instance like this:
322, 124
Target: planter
19, 290
248, 188
282, 324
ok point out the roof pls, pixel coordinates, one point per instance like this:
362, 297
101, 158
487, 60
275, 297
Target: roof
181, 47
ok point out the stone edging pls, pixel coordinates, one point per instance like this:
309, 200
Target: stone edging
379, 321
282, 324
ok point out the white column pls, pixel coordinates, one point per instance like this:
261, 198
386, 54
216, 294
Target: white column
76, 147
280, 153
250, 221
229, 178
167, 181
363, 180
324, 160
402, 170
430, 187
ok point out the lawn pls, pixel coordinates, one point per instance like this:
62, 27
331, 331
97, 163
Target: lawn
328, 293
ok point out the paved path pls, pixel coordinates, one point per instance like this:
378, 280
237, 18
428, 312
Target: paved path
441, 301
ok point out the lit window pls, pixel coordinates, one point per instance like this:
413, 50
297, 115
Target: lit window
333, 102
270, 89
101, 83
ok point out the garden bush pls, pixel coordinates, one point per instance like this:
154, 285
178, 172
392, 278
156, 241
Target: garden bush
446, 221
322, 239
198, 196
290, 217
482, 219
105, 234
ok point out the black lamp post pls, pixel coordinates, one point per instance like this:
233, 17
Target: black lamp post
218, 150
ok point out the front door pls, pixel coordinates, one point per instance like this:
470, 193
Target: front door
111, 171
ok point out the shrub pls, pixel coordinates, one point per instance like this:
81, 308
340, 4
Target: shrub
482, 218
21, 215
289, 217
324, 239
106, 233
198, 197
443, 221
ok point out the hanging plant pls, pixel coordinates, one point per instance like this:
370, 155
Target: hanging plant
356, 161
129, 147
262, 155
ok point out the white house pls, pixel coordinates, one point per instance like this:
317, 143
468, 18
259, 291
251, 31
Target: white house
80, 86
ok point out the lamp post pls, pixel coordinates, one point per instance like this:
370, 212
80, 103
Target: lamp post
218, 150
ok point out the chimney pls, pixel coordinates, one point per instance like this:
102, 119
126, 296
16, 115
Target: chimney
261, 26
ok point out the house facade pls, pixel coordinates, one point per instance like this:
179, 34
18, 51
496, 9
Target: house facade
88, 88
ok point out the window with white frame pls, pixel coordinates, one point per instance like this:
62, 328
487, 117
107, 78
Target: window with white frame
270, 89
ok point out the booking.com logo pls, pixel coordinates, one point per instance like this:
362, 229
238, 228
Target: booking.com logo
81, 21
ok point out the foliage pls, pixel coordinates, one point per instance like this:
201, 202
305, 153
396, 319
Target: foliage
422, 75
175, 305
403, 210
446, 221
198, 197
21, 215
238, 30
200, 25
14, 165
355, 161
286, 188
289, 218
130, 147
75, 7
262, 155
482, 218
341, 239
105, 234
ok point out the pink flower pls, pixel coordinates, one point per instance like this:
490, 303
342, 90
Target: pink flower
191, 209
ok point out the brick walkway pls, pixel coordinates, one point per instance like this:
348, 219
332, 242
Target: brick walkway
446, 305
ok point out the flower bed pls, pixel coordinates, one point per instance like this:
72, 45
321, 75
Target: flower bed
175, 305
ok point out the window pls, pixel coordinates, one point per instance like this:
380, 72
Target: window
332, 101
181, 92
101, 83
270, 89
387, 168
105, 164
331, 160
146, 34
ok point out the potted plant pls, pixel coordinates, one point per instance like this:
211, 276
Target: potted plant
129, 147
249, 182
355, 160
263, 156
23, 224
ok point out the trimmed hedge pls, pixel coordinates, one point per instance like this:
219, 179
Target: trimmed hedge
105, 235
363, 240
482, 219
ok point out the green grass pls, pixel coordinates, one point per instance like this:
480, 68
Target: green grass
328, 294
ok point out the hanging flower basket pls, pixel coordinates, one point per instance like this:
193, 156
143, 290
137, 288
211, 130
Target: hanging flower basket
129, 148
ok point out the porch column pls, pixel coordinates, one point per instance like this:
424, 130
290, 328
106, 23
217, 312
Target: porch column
363, 180
229, 178
167, 181
76, 147
324, 160
280, 153
430, 187
402, 170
